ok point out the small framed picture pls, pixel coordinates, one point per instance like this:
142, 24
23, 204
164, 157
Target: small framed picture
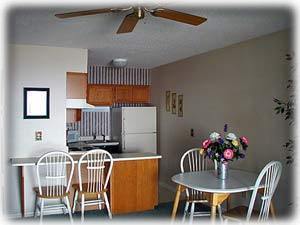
180, 105
174, 103
36, 103
168, 101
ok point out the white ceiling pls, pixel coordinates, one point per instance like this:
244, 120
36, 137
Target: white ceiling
154, 41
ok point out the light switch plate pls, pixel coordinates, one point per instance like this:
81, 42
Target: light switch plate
38, 135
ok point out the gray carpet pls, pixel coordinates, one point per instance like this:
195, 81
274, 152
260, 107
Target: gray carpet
161, 212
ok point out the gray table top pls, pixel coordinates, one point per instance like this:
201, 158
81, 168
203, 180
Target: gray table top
207, 181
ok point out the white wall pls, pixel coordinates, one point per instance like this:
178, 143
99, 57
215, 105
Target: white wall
37, 66
234, 85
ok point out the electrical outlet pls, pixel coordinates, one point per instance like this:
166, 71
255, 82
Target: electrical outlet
192, 132
38, 135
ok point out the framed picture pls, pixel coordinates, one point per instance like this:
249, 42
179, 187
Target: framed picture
36, 103
180, 105
174, 103
168, 101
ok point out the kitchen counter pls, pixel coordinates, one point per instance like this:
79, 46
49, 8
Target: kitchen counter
133, 184
31, 161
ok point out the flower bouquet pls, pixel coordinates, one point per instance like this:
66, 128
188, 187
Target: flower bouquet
224, 149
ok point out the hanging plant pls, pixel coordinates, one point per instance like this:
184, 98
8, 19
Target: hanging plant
286, 109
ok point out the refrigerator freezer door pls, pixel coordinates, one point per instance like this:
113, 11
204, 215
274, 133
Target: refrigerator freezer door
139, 143
138, 120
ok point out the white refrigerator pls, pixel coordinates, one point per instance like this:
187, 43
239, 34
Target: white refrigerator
135, 128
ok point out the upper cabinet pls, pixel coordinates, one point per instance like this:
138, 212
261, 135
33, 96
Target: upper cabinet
140, 94
123, 94
107, 95
76, 85
100, 95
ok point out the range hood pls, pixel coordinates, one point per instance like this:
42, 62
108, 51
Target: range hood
78, 104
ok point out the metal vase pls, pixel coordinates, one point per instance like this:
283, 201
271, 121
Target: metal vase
222, 170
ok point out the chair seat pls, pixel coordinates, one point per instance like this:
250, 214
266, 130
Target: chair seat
53, 194
85, 189
240, 212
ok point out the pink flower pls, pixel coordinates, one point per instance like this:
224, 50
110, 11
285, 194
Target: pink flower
206, 143
228, 153
245, 140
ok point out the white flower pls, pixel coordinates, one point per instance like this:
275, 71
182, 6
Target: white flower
231, 136
214, 136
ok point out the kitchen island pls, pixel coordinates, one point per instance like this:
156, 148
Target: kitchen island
133, 183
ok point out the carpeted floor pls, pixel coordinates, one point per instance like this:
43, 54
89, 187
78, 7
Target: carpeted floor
161, 212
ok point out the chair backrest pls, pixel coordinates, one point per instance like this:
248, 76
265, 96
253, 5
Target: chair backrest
52, 173
96, 163
266, 184
192, 161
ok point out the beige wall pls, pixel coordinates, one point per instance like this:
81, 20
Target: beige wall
233, 85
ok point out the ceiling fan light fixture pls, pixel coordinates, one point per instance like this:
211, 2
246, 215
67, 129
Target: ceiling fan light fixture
119, 62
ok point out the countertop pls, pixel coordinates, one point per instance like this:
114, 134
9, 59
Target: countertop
31, 161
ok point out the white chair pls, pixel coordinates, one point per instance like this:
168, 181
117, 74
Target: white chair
53, 182
265, 184
192, 161
95, 162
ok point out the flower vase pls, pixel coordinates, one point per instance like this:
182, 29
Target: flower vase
222, 170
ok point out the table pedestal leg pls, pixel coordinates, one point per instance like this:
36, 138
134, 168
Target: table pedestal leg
176, 201
216, 199
22, 194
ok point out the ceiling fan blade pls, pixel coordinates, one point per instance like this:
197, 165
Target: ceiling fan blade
82, 13
128, 23
178, 16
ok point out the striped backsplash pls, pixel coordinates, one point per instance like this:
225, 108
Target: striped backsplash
91, 122
98, 121
111, 75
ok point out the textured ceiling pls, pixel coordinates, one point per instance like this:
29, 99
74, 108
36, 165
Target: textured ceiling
154, 41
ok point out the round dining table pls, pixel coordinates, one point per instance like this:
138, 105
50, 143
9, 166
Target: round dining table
216, 190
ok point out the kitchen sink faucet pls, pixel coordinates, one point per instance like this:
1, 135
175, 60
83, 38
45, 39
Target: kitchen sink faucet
103, 137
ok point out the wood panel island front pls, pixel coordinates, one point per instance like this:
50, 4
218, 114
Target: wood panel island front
133, 183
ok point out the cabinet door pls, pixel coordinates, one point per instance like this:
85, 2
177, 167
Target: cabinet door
140, 94
100, 95
76, 85
73, 115
134, 186
123, 94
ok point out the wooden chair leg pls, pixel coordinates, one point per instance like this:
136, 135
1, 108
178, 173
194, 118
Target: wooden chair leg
272, 210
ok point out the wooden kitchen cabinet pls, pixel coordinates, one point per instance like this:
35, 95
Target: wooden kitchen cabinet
134, 186
76, 85
73, 115
100, 95
106, 95
123, 94
140, 94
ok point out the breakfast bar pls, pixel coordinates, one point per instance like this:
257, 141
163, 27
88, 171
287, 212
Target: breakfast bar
133, 183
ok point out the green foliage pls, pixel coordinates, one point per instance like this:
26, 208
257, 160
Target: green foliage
286, 109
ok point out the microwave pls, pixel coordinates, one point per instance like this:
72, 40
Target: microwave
72, 136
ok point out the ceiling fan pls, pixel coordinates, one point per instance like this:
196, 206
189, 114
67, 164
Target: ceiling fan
138, 13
